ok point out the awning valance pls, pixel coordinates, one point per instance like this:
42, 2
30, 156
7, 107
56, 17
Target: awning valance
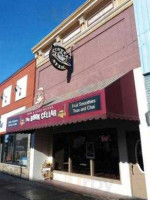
112, 98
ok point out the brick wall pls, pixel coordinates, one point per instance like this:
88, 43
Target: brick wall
28, 100
108, 51
28, 70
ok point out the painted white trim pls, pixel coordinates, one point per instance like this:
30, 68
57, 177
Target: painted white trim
31, 167
71, 35
21, 83
144, 129
6, 96
46, 53
123, 188
90, 183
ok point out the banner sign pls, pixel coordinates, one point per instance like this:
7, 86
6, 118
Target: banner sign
13, 122
72, 110
85, 105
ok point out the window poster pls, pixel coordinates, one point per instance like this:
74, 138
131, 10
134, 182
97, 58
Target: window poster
90, 151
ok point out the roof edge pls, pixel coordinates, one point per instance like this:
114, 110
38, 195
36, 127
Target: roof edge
19, 70
79, 11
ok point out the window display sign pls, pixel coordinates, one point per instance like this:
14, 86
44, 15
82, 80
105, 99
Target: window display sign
90, 151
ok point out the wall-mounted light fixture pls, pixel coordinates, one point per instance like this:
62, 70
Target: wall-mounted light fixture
18, 89
3, 97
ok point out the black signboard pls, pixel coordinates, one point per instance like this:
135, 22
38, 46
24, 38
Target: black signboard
13, 122
59, 57
85, 105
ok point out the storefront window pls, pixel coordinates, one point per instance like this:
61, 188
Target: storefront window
61, 153
21, 149
99, 147
8, 148
15, 149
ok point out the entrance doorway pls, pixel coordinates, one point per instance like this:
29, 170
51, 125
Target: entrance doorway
135, 159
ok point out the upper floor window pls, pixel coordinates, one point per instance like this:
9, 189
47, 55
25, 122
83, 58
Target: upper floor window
6, 97
21, 88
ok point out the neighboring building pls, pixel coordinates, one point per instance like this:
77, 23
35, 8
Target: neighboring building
142, 80
16, 95
87, 123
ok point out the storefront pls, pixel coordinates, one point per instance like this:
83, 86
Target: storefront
85, 137
85, 121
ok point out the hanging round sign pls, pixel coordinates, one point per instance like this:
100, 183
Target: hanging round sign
59, 57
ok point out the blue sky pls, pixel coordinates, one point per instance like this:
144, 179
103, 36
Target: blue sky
23, 23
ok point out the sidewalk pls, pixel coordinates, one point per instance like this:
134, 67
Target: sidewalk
12, 188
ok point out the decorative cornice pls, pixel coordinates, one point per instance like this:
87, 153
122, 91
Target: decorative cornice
77, 15
65, 23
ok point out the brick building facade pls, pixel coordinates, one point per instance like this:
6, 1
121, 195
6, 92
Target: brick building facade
17, 94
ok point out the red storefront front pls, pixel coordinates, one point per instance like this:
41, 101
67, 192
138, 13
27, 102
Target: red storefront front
101, 104
81, 133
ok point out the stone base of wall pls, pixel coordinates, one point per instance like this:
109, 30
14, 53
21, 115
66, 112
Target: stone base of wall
14, 170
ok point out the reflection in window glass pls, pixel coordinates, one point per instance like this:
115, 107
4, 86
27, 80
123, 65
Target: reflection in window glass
15, 149
106, 155
99, 146
80, 162
21, 149
61, 153
8, 148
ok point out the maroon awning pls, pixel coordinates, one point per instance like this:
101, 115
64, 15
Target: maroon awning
115, 98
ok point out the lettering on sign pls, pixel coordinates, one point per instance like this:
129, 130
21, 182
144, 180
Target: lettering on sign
59, 57
85, 105
13, 122
43, 115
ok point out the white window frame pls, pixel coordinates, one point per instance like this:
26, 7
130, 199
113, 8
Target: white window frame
6, 96
21, 88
